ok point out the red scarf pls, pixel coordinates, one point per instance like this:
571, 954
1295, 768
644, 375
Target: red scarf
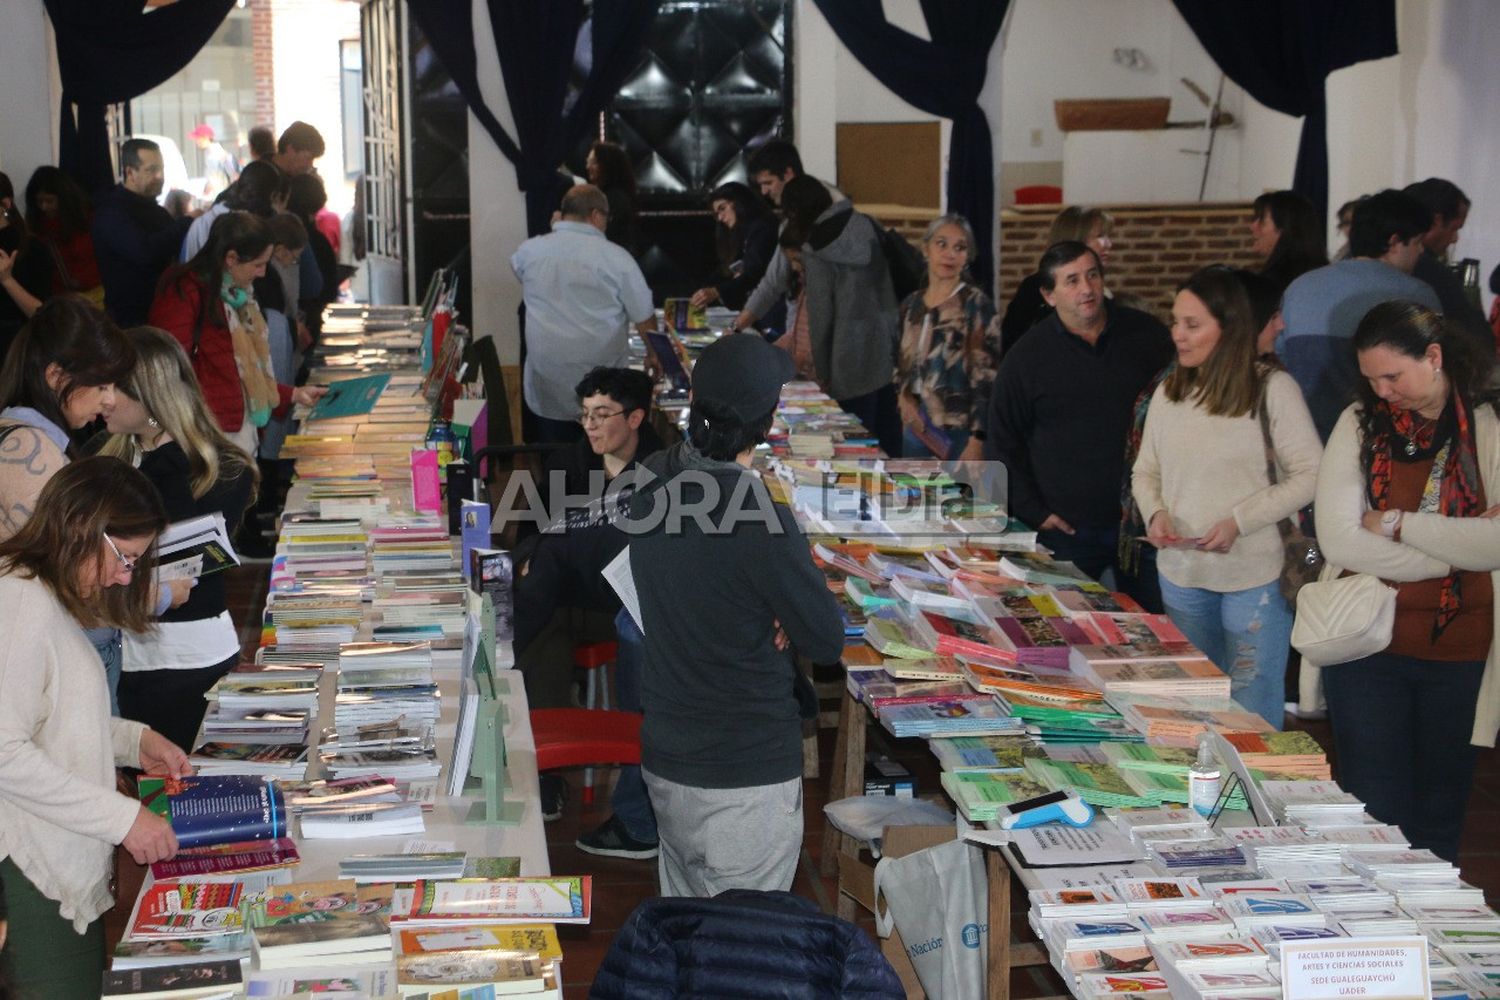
1458, 492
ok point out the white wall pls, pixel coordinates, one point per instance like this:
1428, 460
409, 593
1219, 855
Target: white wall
28, 122
1446, 115
305, 52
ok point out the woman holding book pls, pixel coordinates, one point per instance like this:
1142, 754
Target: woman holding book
72, 564
207, 305
1404, 494
949, 351
1202, 486
160, 423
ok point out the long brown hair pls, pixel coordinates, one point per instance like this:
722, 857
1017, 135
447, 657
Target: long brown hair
81, 503
1228, 383
80, 339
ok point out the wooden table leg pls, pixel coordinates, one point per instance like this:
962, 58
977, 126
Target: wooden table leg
851, 716
997, 966
853, 773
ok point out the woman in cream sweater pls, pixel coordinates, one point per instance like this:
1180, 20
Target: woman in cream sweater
1405, 494
1201, 484
72, 564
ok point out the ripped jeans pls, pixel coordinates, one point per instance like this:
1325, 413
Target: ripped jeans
1246, 633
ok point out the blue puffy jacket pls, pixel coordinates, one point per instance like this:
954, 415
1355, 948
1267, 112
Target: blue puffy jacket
742, 944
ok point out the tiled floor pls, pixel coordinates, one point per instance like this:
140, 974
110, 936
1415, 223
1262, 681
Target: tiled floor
620, 885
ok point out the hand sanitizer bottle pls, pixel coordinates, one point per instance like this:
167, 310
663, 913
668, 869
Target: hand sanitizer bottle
1204, 778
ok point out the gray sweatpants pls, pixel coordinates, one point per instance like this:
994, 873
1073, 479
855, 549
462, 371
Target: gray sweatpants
714, 839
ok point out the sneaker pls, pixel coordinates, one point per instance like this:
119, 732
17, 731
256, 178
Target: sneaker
554, 793
612, 840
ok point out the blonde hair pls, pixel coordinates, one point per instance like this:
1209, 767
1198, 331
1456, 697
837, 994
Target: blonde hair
163, 382
1076, 222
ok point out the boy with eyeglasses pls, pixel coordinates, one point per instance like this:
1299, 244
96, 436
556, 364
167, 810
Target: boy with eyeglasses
560, 596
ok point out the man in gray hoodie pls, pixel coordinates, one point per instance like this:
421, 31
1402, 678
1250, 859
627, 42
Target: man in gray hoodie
726, 585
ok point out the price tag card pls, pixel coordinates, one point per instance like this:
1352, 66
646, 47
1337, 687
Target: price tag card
1393, 968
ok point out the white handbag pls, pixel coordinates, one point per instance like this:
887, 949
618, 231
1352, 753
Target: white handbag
1343, 618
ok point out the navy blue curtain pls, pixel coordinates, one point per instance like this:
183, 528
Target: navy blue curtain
110, 51
535, 40
1281, 52
942, 77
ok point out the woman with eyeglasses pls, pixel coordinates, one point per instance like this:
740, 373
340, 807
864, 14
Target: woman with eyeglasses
1407, 493
74, 563
59, 376
1202, 485
160, 423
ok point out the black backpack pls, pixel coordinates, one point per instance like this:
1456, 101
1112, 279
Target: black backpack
907, 266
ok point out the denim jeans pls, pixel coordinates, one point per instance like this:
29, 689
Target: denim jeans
630, 801
1401, 730
1246, 633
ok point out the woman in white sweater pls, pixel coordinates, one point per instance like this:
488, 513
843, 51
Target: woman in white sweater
1201, 483
72, 564
1406, 493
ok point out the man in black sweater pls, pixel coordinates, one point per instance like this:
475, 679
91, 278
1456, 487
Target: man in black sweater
726, 584
1061, 410
135, 239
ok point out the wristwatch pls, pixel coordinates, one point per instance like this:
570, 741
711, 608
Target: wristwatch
1390, 523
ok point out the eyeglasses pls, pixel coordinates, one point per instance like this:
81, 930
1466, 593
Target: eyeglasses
128, 565
590, 418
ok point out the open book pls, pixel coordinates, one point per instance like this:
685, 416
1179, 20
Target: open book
195, 547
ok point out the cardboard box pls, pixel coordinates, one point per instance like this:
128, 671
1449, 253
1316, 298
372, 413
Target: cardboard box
857, 881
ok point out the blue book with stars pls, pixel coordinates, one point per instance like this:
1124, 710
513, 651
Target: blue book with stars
217, 809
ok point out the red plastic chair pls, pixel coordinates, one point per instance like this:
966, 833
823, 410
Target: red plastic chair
595, 659
583, 737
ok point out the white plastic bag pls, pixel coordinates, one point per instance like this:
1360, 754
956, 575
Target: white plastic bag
938, 900
865, 817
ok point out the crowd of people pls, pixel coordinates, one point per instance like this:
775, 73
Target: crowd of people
1168, 460
1165, 459
110, 429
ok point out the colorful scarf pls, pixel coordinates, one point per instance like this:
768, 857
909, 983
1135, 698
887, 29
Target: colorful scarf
252, 352
1451, 438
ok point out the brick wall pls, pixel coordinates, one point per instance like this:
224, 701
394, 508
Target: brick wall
261, 39
1155, 246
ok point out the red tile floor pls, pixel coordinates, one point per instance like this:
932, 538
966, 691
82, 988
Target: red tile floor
620, 885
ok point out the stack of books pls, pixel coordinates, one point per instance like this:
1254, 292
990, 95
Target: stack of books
482, 958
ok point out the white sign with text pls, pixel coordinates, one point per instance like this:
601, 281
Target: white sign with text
1393, 968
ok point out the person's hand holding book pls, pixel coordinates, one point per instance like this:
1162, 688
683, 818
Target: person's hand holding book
150, 838
160, 756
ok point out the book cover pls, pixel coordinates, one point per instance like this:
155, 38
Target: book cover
474, 531
350, 397
173, 951
238, 856
215, 809
303, 903
526, 939
327, 937
426, 494
185, 980
524, 900
186, 909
